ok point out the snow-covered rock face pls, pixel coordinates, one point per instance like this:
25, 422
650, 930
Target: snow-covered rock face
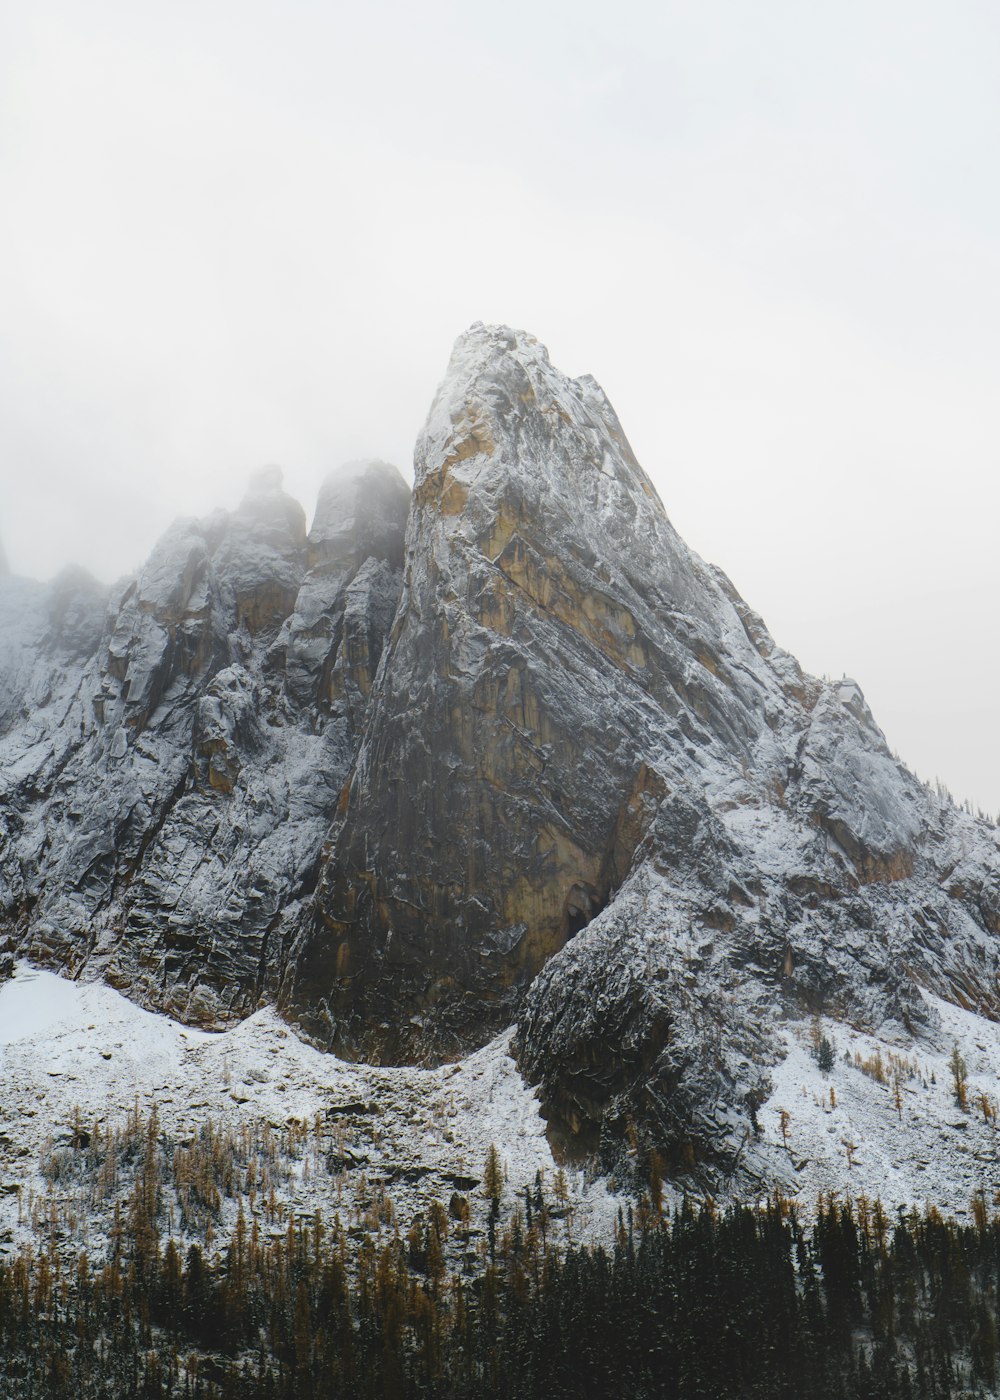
541, 764
171, 754
579, 723
554, 637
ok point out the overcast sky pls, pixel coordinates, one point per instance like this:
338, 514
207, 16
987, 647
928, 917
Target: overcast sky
238, 233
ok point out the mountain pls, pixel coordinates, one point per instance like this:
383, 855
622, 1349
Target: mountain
505, 752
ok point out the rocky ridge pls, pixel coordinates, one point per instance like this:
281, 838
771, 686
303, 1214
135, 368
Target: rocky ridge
172, 749
539, 763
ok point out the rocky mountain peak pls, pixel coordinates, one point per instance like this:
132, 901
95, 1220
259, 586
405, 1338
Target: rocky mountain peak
501, 395
361, 511
549, 614
591, 793
277, 518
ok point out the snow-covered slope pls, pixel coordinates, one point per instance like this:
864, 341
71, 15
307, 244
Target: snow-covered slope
78, 1060
80, 1054
884, 1122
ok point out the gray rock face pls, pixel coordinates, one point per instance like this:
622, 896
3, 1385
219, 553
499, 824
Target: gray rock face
347, 601
171, 756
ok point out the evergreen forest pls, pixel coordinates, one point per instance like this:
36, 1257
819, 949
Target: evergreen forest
748, 1302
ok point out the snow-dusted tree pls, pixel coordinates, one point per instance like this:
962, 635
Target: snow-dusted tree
960, 1075
784, 1119
493, 1176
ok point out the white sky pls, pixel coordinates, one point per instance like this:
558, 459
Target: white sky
234, 233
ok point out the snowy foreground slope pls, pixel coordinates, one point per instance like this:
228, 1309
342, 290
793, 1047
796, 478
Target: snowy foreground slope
74, 1054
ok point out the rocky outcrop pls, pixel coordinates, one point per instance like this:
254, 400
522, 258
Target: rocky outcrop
345, 606
172, 751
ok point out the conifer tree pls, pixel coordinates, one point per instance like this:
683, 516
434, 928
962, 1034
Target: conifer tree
959, 1075
493, 1175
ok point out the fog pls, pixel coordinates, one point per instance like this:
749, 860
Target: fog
242, 233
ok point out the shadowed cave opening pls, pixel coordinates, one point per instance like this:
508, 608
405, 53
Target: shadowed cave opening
583, 903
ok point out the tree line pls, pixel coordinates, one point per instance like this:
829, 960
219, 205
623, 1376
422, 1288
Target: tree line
747, 1302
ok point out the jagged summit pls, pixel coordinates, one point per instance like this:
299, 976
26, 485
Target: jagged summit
277, 517
362, 506
505, 751
528, 687
498, 373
